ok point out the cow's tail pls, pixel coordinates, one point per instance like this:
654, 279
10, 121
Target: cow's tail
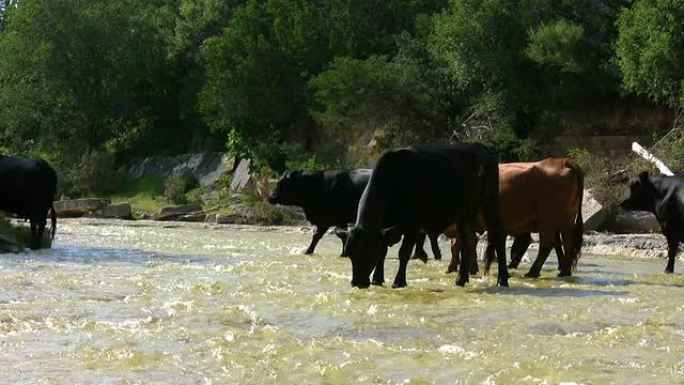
578, 228
53, 219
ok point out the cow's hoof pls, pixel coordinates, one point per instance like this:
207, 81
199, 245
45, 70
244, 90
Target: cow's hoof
669, 271
532, 274
450, 270
308, 252
502, 282
564, 273
378, 283
420, 255
398, 285
438, 257
461, 282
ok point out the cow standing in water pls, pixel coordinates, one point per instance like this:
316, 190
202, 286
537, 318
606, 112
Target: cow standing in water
664, 197
543, 197
28, 189
425, 189
328, 198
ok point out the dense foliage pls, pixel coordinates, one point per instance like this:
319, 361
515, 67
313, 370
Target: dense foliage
314, 82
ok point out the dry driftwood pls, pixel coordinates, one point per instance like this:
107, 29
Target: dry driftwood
642, 152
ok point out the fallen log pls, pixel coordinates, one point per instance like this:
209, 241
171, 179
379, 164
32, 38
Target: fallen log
662, 167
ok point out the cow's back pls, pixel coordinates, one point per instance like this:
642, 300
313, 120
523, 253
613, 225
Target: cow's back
539, 193
429, 188
26, 185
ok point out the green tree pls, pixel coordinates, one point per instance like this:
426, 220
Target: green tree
650, 50
258, 69
80, 75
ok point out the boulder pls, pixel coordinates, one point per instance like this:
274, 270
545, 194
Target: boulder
240, 176
192, 217
634, 222
593, 212
14, 237
79, 207
120, 210
174, 212
229, 218
206, 167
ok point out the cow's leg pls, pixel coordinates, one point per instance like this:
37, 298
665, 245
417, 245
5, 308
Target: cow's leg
545, 246
520, 245
672, 247
490, 253
318, 234
379, 273
565, 260
42, 223
405, 250
343, 237
420, 251
466, 234
434, 244
34, 242
560, 254
455, 255
474, 268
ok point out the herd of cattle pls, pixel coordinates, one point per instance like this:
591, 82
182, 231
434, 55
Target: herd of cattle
414, 193
458, 191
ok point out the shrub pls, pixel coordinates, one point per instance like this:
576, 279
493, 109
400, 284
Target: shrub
176, 186
94, 173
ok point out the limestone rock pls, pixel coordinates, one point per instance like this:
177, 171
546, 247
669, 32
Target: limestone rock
593, 212
206, 167
229, 218
635, 222
240, 176
192, 217
79, 207
120, 210
171, 213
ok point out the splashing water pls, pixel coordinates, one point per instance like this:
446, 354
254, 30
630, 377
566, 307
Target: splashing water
114, 304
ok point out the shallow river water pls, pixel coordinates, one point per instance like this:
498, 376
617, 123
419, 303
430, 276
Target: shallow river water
114, 304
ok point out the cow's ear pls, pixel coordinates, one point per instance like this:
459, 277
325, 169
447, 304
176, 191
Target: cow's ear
391, 235
643, 177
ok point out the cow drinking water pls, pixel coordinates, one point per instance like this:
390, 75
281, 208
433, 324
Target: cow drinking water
426, 189
28, 189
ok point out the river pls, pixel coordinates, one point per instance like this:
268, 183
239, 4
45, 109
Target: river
113, 304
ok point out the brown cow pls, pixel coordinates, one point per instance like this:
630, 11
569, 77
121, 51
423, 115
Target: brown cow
543, 197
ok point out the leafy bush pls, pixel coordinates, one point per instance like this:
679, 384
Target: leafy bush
176, 186
94, 173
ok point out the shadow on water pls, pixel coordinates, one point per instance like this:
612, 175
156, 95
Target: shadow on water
103, 255
549, 292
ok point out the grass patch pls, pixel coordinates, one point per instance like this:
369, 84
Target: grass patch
145, 194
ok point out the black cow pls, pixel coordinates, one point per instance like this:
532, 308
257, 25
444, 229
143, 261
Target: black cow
28, 189
427, 190
664, 197
329, 198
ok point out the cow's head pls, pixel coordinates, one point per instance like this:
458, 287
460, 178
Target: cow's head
287, 191
366, 248
642, 194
